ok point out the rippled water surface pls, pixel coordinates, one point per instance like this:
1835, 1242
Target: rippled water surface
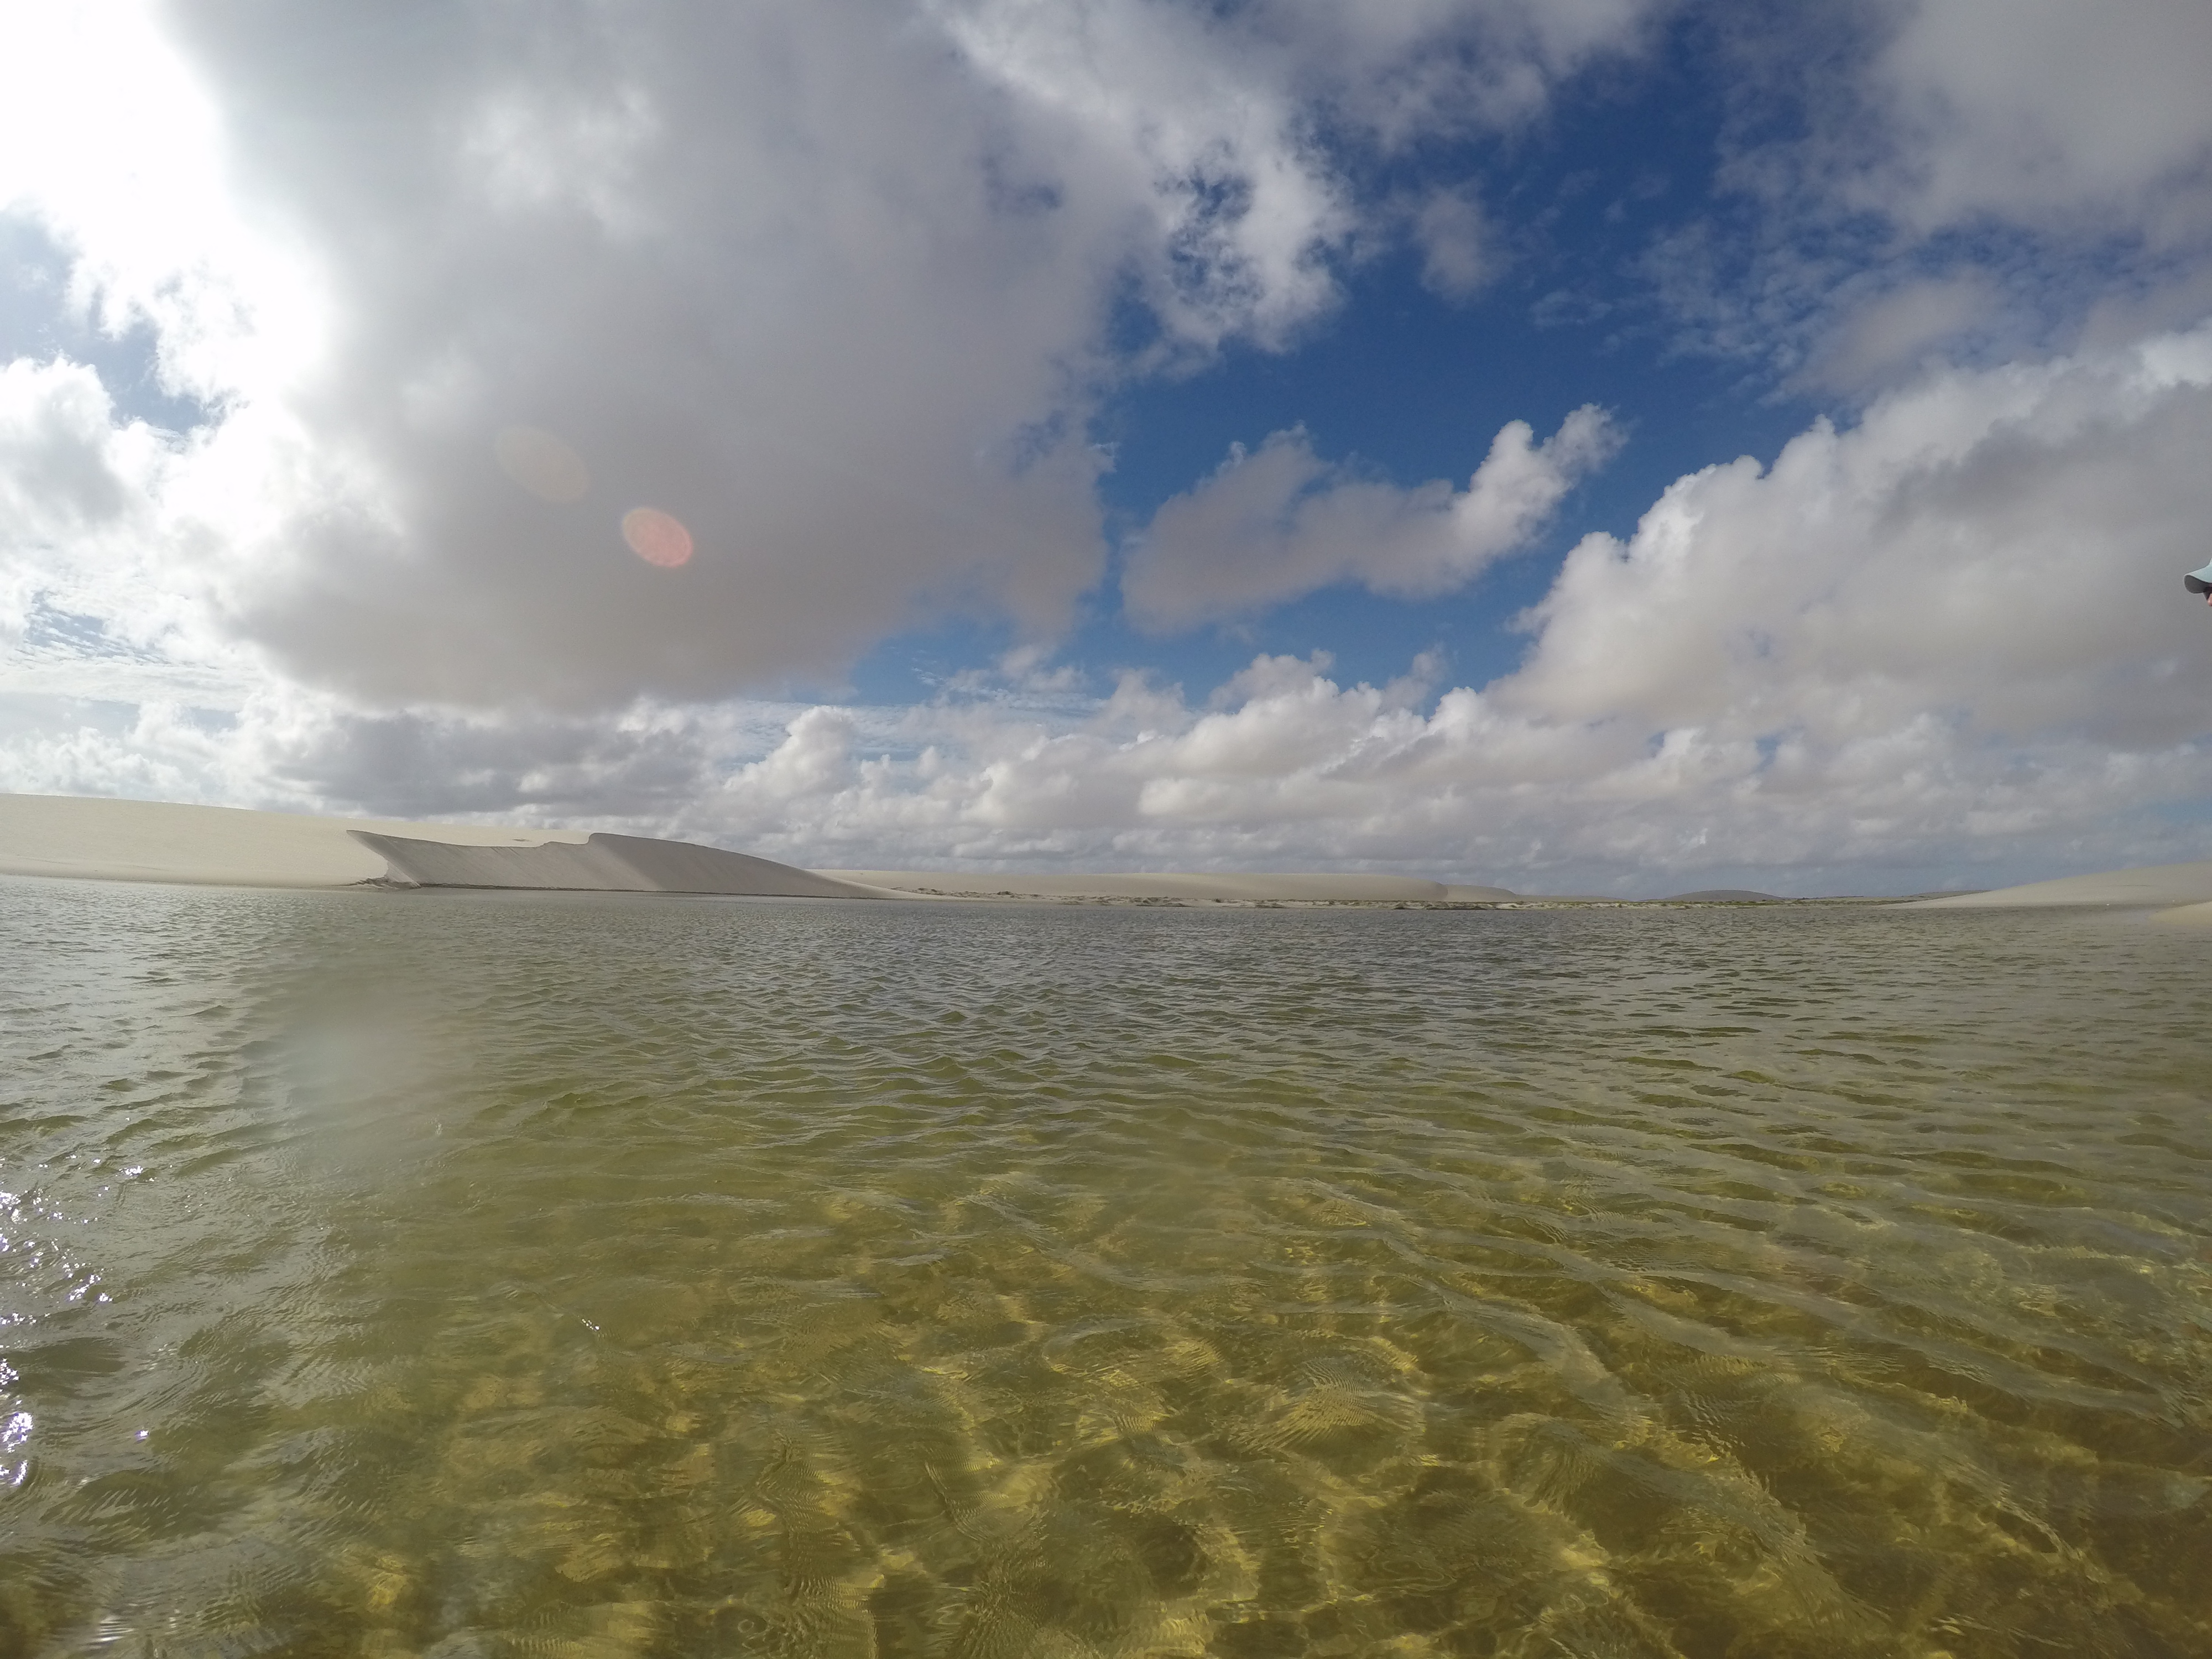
475, 1275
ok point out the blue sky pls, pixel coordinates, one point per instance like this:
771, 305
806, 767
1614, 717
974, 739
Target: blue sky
1126, 434
1414, 383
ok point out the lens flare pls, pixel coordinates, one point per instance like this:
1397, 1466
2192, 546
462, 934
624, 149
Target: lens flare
657, 538
542, 464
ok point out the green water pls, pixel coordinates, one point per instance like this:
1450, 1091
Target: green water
485, 1275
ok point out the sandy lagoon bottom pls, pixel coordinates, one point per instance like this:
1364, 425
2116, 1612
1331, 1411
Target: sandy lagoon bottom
477, 1275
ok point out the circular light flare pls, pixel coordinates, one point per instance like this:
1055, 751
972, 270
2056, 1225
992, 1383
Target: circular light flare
657, 538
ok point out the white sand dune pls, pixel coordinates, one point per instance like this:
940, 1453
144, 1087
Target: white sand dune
2157, 884
1179, 889
156, 841
602, 864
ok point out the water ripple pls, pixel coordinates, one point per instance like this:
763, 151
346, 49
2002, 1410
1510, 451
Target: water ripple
488, 1275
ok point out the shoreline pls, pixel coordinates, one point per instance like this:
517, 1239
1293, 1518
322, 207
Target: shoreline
87, 838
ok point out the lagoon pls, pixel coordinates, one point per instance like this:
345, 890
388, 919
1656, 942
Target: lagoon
486, 1275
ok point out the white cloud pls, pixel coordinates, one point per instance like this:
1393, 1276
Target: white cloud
113, 144
1206, 120
58, 475
1998, 549
1279, 521
1964, 180
2043, 110
1407, 70
1879, 339
829, 281
1949, 643
1454, 243
832, 283
77, 513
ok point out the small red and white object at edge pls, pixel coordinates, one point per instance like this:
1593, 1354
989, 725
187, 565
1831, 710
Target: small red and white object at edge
657, 538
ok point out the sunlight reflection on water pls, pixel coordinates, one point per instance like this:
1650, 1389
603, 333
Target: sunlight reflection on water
488, 1274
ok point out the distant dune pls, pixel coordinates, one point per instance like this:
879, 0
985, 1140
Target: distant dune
154, 840
1184, 889
2157, 884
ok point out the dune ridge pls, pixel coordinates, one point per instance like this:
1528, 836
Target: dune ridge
602, 864
72, 836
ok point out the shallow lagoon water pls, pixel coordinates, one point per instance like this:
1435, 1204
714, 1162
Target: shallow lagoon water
478, 1275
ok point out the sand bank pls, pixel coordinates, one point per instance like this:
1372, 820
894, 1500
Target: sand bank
2187, 915
2154, 885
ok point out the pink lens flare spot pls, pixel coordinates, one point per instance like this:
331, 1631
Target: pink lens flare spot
657, 538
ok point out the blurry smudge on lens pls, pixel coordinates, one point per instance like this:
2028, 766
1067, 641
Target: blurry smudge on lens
657, 538
542, 464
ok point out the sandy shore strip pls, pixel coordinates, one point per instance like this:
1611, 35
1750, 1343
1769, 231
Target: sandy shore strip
2154, 886
1170, 888
70, 836
2187, 915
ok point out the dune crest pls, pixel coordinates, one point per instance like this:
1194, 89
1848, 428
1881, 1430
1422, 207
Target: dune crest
601, 864
82, 838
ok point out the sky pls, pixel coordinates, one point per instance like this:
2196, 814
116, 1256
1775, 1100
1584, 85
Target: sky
1579, 446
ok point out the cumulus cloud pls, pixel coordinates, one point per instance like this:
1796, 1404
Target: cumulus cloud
1949, 643
830, 283
57, 475
1876, 339
838, 286
1279, 521
2040, 111
1964, 180
1454, 242
1997, 550
754, 269
80, 529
